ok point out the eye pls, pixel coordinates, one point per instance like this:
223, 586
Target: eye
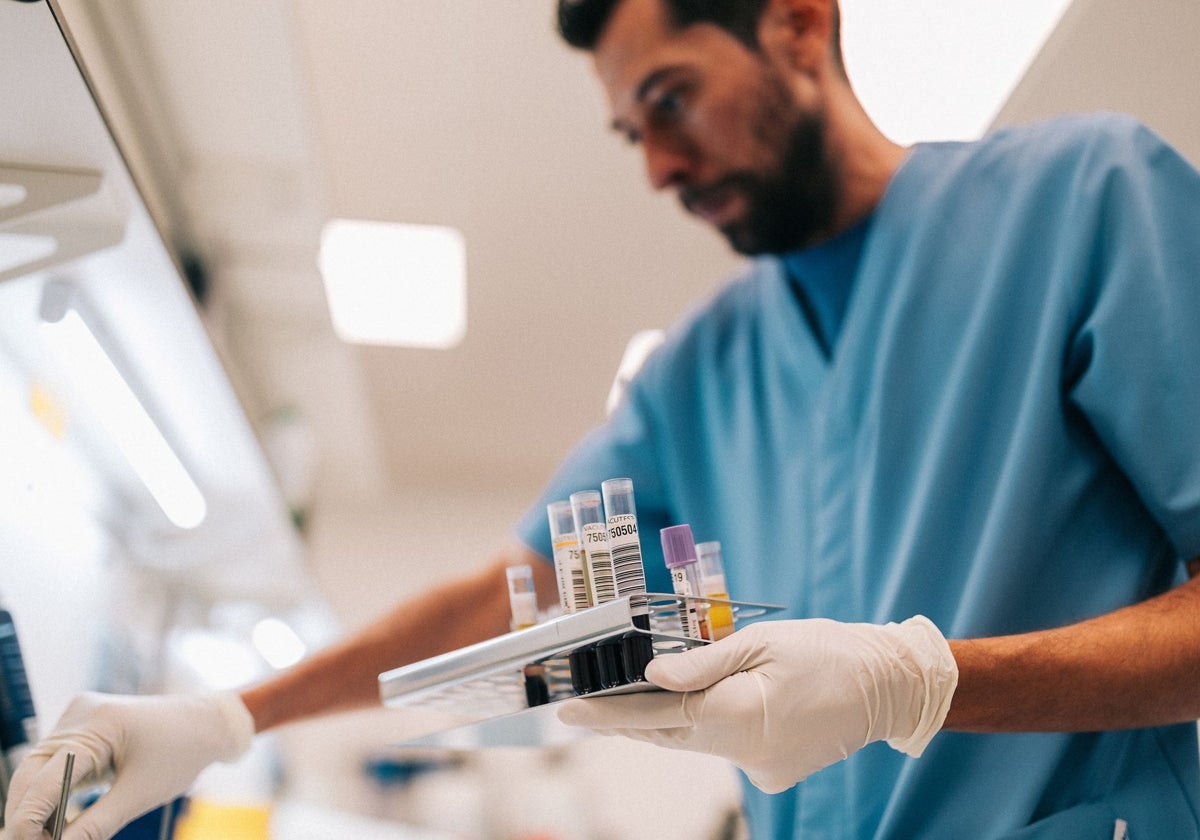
668, 105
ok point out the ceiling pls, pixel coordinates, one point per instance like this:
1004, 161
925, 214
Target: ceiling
250, 129
250, 125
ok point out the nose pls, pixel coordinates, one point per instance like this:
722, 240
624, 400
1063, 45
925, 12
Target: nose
667, 164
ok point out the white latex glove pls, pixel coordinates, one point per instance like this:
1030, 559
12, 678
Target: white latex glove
783, 699
157, 746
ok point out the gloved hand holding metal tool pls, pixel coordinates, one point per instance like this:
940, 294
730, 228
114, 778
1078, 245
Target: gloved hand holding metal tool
157, 746
784, 699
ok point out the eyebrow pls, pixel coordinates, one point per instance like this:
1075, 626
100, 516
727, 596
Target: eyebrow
643, 90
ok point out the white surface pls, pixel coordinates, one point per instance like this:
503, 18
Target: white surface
301, 821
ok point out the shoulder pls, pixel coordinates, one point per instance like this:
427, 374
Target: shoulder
732, 309
1070, 143
1067, 162
707, 332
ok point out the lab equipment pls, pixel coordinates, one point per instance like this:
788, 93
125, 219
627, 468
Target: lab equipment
483, 682
60, 815
624, 543
636, 650
568, 559
712, 585
679, 553
588, 513
522, 597
18, 719
597, 557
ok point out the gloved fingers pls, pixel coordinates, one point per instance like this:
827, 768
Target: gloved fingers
645, 710
119, 805
34, 792
769, 782
701, 667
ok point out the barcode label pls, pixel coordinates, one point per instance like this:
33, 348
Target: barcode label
626, 554
572, 585
579, 592
598, 557
689, 618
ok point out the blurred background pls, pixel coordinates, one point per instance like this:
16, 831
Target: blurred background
188, 177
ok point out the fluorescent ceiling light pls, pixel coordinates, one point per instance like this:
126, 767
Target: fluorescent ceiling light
395, 284
97, 380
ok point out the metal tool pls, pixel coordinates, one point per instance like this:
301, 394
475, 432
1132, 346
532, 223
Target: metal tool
164, 828
60, 816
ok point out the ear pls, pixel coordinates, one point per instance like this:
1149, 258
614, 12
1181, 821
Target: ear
800, 33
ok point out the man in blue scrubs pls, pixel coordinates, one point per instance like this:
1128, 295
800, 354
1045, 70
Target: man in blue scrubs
950, 417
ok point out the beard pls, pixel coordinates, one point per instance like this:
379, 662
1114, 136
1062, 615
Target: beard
792, 206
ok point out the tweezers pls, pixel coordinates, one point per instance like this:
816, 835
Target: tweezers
60, 816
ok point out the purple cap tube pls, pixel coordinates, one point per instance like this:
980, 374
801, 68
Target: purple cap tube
679, 546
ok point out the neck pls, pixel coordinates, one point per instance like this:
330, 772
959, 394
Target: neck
865, 160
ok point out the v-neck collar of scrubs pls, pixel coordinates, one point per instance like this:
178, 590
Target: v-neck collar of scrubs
822, 278
845, 255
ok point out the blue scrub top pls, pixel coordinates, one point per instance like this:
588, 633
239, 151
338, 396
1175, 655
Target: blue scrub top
1004, 439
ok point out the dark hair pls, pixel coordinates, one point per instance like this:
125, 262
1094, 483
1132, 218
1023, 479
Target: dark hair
581, 22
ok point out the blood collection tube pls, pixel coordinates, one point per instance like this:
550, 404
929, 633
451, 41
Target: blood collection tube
712, 585
679, 553
521, 596
568, 560
522, 599
588, 513
620, 511
624, 543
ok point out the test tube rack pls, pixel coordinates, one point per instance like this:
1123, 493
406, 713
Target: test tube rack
488, 680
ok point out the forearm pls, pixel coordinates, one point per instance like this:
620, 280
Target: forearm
345, 676
1137, 666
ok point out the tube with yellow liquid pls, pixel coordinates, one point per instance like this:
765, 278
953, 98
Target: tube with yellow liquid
712, 585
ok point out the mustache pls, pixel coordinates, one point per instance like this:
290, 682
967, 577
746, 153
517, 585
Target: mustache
691, 195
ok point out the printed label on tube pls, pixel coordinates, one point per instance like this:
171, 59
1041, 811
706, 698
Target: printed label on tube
626, 550
572, 584
689, 618
596, 554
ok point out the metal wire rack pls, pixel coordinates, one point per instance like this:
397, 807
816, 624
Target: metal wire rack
492, 679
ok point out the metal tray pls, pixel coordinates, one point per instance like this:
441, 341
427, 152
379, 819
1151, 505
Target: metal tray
483, 684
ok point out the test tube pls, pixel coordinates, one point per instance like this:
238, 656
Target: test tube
522, 597
568, 561
712, 585
679, 553
588, 513
625, 544
620, 511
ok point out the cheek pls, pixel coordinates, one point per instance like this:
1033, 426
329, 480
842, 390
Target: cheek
749, 129
728, 139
